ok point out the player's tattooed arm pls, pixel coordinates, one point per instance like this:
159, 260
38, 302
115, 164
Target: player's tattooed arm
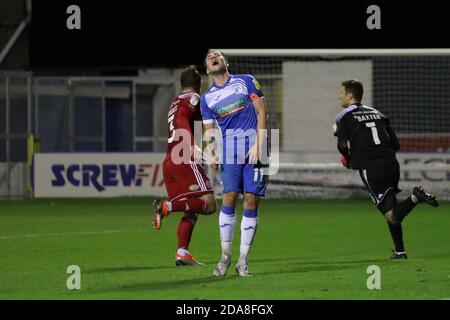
261, 109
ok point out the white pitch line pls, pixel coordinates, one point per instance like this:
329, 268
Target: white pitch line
81, 233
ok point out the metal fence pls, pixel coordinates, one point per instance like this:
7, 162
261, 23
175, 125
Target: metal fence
79, 114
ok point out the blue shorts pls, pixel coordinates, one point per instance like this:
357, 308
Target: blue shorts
243, 178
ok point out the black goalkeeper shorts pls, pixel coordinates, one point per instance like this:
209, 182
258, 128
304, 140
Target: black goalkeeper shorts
382, 184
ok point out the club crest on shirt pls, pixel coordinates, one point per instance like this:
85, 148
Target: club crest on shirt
194, 187
239, 90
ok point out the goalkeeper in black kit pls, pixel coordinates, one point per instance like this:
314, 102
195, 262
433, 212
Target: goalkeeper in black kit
367, 143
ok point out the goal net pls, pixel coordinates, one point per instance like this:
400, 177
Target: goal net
410, 86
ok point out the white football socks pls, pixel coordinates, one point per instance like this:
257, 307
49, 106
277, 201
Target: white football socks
227, 224
248, 230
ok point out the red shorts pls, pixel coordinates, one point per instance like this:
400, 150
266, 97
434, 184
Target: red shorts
185, 180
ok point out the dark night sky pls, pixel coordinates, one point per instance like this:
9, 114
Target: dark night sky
129, 34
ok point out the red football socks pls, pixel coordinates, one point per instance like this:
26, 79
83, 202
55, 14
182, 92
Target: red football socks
190, 205
184, 232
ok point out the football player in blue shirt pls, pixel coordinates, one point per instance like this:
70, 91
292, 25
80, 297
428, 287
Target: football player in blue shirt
237, 106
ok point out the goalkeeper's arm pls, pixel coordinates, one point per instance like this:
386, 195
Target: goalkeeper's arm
394, 140
344, 151
342, 146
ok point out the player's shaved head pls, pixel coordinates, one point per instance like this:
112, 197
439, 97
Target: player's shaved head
355, 88
190, 78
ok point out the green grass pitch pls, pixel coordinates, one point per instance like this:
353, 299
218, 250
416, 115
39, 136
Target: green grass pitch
304, 249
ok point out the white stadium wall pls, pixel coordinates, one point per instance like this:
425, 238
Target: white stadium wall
18, 180
310, 101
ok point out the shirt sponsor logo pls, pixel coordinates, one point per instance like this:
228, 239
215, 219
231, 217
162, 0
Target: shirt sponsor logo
234, 107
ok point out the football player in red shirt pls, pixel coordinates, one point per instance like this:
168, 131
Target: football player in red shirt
187, 185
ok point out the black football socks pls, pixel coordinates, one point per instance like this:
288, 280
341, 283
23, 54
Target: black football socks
397, 236
402, 209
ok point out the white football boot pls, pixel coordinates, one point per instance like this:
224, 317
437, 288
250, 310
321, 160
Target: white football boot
222, 266
242, 270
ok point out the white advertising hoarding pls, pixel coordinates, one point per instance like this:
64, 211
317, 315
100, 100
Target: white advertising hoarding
430, 170
140, 174
74, 175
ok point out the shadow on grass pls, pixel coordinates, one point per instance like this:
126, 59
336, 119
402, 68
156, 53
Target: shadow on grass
293, 268
315, 266
302, 261
127, 269
163, 285
295, 265
172, 284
